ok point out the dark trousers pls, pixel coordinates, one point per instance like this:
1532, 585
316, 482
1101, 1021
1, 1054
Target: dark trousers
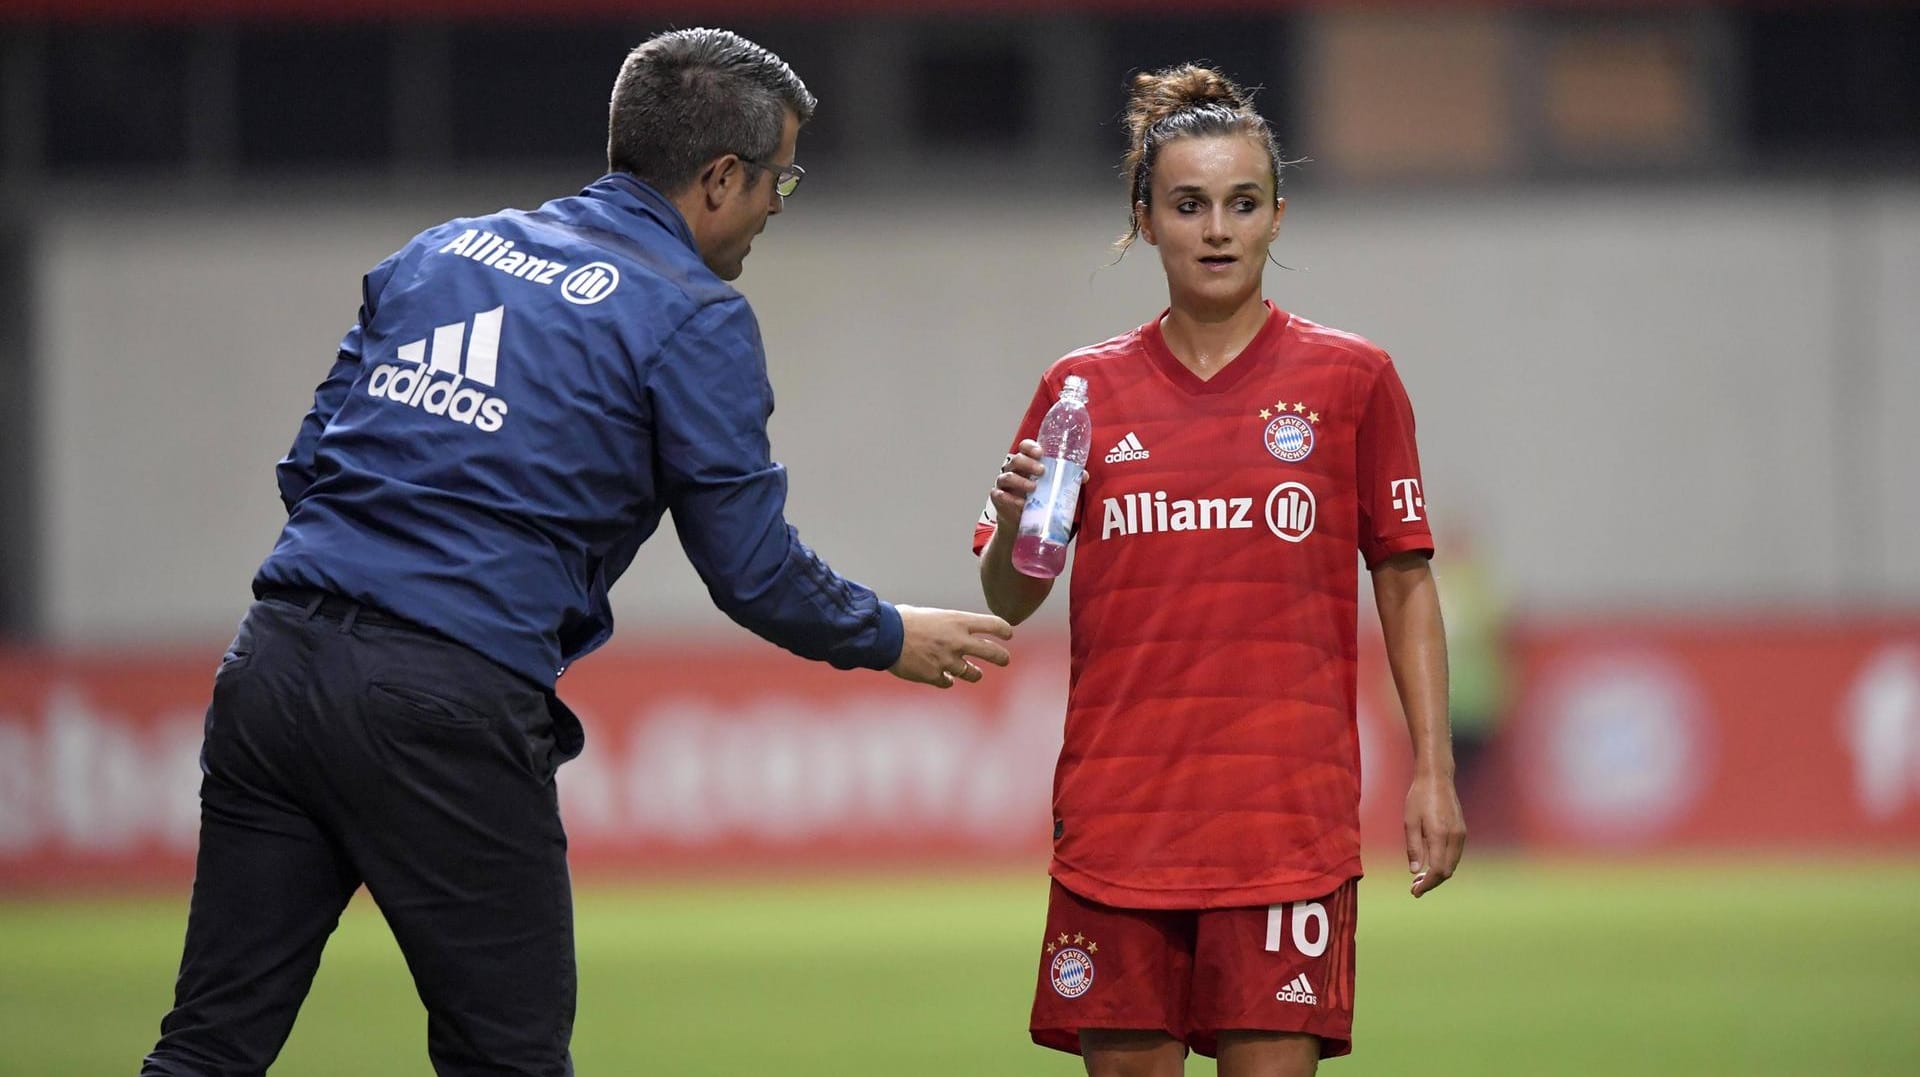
346, 747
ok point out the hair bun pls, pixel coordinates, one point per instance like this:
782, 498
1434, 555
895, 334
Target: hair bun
1158, 94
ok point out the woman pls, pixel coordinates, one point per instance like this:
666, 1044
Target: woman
1206, 803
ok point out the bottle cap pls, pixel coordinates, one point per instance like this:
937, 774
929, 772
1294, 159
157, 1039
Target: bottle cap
1075, 385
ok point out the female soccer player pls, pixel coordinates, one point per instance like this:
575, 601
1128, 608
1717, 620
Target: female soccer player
1206, 804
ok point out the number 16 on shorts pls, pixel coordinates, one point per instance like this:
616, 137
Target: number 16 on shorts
1310, 927
1313, 942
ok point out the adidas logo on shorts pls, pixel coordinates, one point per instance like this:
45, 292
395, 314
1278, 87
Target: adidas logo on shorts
1298, 991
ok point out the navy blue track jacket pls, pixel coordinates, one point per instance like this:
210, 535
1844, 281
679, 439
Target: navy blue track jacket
523, 398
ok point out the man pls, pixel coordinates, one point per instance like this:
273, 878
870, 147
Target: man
523, 398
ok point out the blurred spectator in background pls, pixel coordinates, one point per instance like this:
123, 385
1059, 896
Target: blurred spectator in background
1479, 688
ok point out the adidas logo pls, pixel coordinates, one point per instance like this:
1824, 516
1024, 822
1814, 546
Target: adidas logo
411, 380
1298, 991
1128, 449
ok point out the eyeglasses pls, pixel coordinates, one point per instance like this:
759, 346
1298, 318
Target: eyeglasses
786, 179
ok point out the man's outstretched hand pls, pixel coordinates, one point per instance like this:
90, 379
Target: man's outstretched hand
941, 646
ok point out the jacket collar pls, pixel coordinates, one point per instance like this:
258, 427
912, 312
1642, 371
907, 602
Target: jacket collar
633, 195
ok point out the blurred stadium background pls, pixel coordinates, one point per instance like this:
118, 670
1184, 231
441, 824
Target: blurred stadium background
1650, 273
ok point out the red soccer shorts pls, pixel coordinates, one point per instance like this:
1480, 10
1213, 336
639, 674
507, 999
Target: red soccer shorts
1196, 972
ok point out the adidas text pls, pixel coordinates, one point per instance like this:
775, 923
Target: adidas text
1298, 991
1128, 449
412, 380
496, 253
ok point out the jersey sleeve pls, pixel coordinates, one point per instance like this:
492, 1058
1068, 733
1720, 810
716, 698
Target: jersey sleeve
295, 471
1043, 398
711, 401
1392, 495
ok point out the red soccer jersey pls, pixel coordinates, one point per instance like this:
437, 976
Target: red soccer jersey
1211, 757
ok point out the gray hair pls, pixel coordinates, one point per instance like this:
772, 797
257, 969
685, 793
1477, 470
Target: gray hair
685, 97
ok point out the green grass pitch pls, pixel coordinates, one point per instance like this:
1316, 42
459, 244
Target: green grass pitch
1728, 967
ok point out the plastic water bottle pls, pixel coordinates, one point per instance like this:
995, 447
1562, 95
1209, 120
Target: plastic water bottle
1066, 435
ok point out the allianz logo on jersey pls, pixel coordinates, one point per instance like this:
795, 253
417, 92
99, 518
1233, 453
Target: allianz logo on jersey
583, 287
1289, 513
436, 382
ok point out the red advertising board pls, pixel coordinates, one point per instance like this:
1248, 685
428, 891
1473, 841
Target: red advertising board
1627, 737
1796, 734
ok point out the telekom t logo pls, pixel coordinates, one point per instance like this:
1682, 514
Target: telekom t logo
1406, 497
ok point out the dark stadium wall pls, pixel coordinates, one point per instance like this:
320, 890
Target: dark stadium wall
19, 534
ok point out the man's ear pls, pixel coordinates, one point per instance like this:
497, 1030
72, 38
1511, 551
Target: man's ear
719, 178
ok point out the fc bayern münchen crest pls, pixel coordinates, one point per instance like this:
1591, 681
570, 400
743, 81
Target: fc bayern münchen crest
1290, 438
1072, 972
